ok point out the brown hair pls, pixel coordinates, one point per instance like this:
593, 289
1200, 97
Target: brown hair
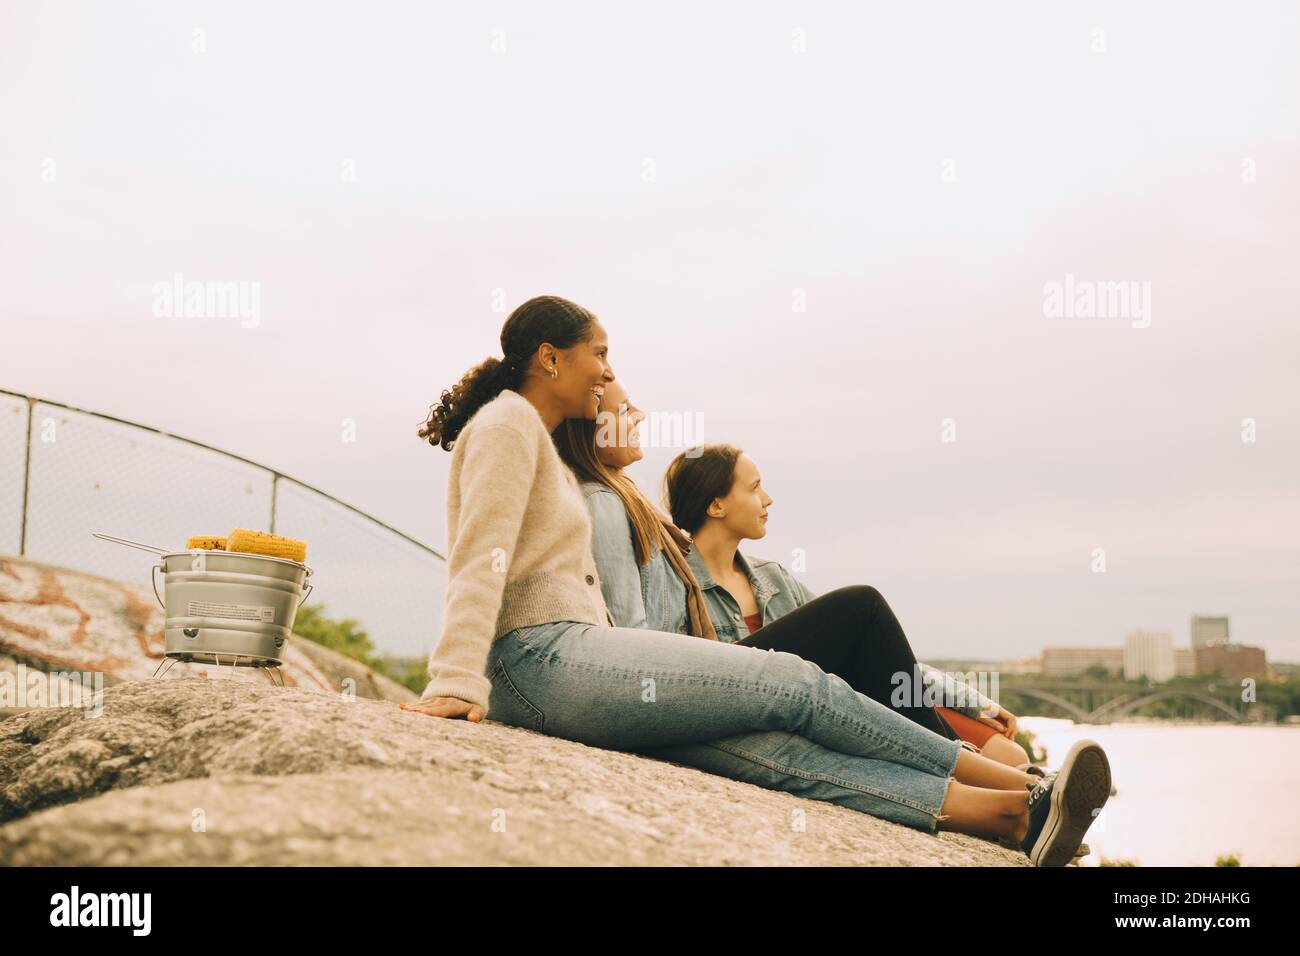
575, 440
544, 318
695, 478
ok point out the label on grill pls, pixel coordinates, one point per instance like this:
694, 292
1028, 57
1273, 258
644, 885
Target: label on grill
239, 612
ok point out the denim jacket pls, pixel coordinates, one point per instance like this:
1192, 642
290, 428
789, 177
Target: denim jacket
645, 596
778, 592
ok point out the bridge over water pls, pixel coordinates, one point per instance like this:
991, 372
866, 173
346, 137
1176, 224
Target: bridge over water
1102, 703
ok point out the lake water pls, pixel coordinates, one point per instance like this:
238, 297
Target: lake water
1188, 793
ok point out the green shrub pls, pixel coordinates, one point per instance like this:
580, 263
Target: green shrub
345, 636
349, 638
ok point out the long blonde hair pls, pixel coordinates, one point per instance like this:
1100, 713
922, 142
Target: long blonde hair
575, 440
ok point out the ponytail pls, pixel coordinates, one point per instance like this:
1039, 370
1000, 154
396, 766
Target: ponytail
479, 386
542, 319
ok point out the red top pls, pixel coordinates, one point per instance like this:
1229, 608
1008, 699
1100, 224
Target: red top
754, 621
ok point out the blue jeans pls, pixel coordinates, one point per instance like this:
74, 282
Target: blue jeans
766, 717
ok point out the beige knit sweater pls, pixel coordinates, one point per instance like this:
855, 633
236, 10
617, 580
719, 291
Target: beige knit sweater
519, 544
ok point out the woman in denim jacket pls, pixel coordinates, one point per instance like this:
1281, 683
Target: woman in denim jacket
645, 586
716, 494
639, 592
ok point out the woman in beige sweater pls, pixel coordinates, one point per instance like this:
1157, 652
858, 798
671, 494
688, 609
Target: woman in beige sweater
528, 641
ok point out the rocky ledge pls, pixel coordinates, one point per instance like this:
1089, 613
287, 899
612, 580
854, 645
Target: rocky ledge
218, 767
210, 772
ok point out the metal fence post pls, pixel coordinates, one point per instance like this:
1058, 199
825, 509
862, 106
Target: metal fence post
27, 475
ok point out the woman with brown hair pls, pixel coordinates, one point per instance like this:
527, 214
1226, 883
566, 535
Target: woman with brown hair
641, 554
716, 495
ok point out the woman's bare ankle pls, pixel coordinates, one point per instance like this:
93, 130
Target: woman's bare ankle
1020, 827
1018, 819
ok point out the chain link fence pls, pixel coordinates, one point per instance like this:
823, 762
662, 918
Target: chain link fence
65, 472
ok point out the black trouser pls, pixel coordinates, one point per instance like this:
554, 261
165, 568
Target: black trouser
852, 633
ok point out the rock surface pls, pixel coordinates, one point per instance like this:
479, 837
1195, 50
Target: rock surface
194, 771
55, 619
218, 767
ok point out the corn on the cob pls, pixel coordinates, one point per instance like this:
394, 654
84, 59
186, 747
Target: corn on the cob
206, 542
271, 545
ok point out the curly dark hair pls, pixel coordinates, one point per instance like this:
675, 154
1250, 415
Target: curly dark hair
542, 319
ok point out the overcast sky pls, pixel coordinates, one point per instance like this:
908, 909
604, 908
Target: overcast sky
912, 176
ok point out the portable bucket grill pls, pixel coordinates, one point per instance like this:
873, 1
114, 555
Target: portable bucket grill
227, 607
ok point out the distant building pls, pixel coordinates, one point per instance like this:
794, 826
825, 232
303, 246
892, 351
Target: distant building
1209, 630
1184, 662
1024, 665
1149, 654
1233, 660
1073, 661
